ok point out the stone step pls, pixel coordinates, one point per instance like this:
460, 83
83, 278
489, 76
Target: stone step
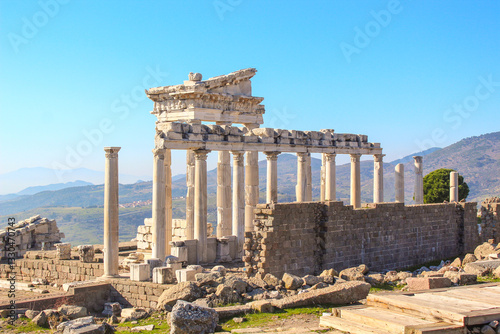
346, 325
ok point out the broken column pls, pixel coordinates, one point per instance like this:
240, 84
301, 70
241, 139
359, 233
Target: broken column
190, 195
272, 177
419, 180
330, 182
322, 177
251, 187
300, 188
308, 178
453, 187
355, 180
378, 178
158, 207
223, 194
399, 183
238, 199
200, 203
168, 200
111, 212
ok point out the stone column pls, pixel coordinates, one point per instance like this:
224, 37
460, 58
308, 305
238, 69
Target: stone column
330, 181
272, 177
190, 195
168, 200
238, 199
111, 212
378, 178
453, 187
355, 181
322, 177
308, 178
400, 183
200, 203
159, 228
251, 188
223, 195
419, 180
300, 188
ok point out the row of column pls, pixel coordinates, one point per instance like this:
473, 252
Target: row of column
399, 182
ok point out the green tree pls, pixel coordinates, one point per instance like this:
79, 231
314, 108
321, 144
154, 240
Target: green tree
437, 186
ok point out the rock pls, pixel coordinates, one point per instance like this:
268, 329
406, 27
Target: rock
424, 283
210, 279
472, 268
232, 311
239, 320
113, 319
310, 280
469, 258
487, 330
188, 291
72, 325
256, 294
354, 273
142, 328
375, 279
197, 267
292, 282
219, 269
496, 272
41, 320
494, 324
187, 318
73, 311
339, 294
272, 280
262, 306
112, 309
237, 284
226, 295
30, 314
329, 273
5, 313
403, 275
456, 263
461, 278
482, 251
86, 253
320, 285
134, 313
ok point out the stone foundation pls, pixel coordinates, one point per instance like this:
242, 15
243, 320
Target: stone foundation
305, 238
490, 219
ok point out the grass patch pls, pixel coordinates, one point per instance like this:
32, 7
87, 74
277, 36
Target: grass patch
24, 325
161, 325
488, 279
386, 287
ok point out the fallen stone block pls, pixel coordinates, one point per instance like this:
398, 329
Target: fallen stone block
262, 306
86, 253
187, 318
139, 272
185, 275
425, 283
292, 282
188, 291
354, 273
134, 313
163, 275
232, 311
73, 311
142, 328
340, 294
474, 268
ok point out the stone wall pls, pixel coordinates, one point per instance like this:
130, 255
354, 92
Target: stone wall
34, 233
303, 238
490, 219
138, 294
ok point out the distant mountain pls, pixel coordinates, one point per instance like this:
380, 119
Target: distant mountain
13, 182
52, 187
409, 158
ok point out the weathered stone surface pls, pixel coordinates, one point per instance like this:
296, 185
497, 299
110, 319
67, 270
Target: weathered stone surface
472, 268
375, 279
262, 306
320, 285
226, 295
292, 282
187, 318
340, 294
486, 329
237, 284
329, 273
111, 309
231, 311
456, 263
41, 320
496, 272
73, 326
208, 278
188, 291
469, 258
142, 328
63, 251
30, 314
482, 251
311, 280
354, 273
196, 267
134, 313
86, 253
461, 278
219, 269
73, 311
272, 280
425, 283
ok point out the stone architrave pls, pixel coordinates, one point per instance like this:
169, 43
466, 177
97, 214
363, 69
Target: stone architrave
378, 178
355, 180
238, 200
159, 227
200, 203
453, 187
223, 194
399, 183
168, 200
330, 178
300, 188
111, 212
251, 187
308, 178
272, 177
419, 180
190, 195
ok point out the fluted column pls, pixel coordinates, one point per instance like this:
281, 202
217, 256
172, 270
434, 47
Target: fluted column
399, 183
308, 178
419, 180
238, 199
330, 178
111, 222
190, 195
159, 228
223, 194
322, 178
300, 188
272, 177
168, 200
200, 203
251, 188
355, 181
378, 178
453, 187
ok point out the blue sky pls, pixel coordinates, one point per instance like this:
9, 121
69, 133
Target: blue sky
409, 74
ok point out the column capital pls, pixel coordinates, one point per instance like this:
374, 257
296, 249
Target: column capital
355, 157
330, 156
159, 153
201, 154
112, 152
301, 156
418, 158
272, 155
378, 157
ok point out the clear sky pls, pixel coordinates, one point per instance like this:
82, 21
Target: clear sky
409, 74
